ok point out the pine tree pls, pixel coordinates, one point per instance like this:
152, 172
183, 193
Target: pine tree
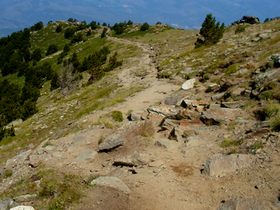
211, 31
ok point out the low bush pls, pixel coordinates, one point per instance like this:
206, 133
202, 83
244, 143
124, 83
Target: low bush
117, 116
146, 129
229, 143
257, 145
275, 123
267, 112
239, 29
145, 27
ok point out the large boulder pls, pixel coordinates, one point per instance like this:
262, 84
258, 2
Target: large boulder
114, 140
17, 161
246, 204
266, 77
224, 165
216, 116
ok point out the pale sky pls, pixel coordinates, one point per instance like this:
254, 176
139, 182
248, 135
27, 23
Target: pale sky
187, 14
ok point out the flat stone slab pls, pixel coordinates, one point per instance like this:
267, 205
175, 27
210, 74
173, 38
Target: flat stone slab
86, 155
233, 104
114, 140
113, 182
126, 161
246, 204
224, 165
156, 163
218, 116
164, 144
163, 110
25, 198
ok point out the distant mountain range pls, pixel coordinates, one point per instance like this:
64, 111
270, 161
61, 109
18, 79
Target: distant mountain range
16, 14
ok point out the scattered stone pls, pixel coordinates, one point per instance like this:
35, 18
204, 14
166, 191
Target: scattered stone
25, 198
237, 91
241, 71
224, 165
216, 116
246, 204
86, 155
162, 143
15, 123
126, 161
156, 163
189, 84
217, 96
276, 60
132, 117
213, 87
173, 99
259, 125
193, 104
113, 182
114, 140
266, 77
118, 172
163, 110
5, 204
233, 104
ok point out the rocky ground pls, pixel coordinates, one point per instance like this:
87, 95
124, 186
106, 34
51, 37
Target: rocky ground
180, 148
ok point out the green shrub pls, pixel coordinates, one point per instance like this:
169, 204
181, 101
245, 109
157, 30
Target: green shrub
229, 143
232, 68
275, 123
239, 29
145, 27
232, 125
7, 173
211, 31
257, 145
188, 133
266, 95
52, 49
117, 116
146, 129
101, 140
205, 77
267, 112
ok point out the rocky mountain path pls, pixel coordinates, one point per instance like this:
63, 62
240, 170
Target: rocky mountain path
161, 170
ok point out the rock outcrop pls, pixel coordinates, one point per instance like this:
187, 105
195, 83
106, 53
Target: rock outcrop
247, 19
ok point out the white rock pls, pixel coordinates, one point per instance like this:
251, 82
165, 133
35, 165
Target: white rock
188, 84
23, 208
